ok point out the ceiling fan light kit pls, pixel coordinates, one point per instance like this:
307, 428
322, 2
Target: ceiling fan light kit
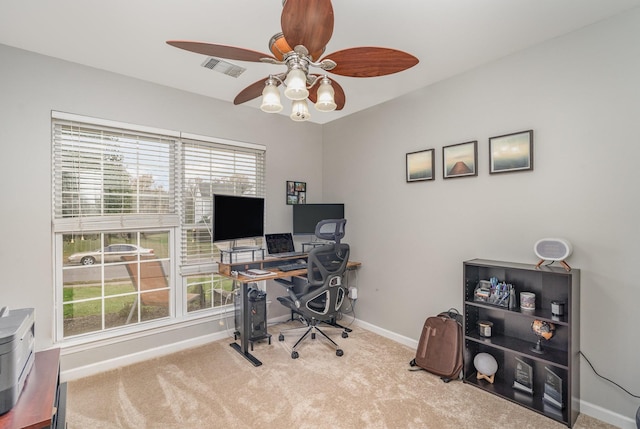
297, 90
307, 25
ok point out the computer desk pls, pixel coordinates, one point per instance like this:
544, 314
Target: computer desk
270, 264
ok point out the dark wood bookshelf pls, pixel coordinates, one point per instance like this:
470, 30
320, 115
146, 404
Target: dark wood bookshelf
512, 336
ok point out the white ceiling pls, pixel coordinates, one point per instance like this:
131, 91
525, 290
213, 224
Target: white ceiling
449, 37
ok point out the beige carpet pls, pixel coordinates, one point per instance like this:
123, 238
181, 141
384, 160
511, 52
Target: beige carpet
215, 387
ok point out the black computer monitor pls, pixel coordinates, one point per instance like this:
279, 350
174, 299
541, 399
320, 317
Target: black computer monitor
236, 217
307, 216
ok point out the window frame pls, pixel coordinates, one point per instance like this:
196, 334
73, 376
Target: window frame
181, 270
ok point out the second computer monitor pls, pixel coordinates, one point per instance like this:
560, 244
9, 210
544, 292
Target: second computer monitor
307, 216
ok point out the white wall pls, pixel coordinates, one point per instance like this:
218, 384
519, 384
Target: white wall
581, 96
31, 86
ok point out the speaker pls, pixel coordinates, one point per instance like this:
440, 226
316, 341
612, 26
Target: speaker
553, 249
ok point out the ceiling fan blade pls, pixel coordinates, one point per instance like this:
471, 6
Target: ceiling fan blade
220, 51
370, 61
338, 95
308, 23
252, 91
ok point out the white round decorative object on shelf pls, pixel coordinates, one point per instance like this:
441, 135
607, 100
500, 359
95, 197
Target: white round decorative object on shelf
485, 363
553, 249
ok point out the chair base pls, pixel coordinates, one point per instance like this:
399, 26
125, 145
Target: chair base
311, 329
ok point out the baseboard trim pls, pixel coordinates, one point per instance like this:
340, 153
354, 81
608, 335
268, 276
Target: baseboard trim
607, 416
587, 408
109, 364
409, 342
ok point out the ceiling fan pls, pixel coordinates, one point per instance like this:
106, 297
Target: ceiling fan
307, 25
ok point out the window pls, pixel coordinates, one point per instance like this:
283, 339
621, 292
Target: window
210, 167
102, 286
132, 222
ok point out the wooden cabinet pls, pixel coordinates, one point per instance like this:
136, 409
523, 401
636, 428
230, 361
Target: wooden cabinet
42, 402
512, 338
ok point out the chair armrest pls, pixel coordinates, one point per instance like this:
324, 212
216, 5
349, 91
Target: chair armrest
292, 295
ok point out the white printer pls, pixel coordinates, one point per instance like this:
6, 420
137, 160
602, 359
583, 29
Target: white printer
16, 353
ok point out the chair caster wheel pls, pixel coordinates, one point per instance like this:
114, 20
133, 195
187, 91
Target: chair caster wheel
294, 355
280, 337
413, 362
339, 352
345, 335
313, 335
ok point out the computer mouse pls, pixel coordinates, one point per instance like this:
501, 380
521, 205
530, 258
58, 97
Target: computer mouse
301, 261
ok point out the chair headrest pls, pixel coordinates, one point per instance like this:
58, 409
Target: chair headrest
331, 229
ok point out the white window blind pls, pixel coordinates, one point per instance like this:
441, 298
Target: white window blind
214, 167
110, 177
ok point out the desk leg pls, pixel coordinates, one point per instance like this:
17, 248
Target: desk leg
243, 318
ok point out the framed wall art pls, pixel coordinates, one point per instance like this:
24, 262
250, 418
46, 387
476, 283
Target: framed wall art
420, 165
511, 152
460, 160
296, 192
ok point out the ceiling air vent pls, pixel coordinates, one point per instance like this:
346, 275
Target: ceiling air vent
223, 67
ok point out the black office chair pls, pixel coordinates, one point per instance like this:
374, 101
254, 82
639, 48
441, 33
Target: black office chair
319, 299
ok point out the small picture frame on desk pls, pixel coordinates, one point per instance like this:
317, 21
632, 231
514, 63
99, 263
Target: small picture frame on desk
296, 192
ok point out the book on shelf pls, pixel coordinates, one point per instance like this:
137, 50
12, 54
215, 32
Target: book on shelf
523, 376
552, 388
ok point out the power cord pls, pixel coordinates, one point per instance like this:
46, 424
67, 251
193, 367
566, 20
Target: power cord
605, 378
225, 314
351, 310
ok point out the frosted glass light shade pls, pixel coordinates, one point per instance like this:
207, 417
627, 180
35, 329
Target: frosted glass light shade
296, 85
300, 111
325, 101
271, 99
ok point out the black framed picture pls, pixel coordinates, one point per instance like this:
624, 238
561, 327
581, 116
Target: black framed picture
296, 192
511, 152
460, 160
420, 165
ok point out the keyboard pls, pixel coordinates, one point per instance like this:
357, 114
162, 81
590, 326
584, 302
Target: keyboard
292, 266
